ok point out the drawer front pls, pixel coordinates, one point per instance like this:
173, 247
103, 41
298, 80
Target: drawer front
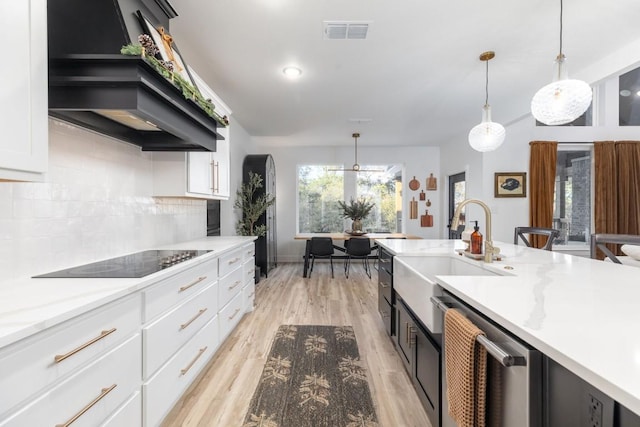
34, 363
249, 251
168, 333
248, 295
385, 285
129, 414
172, 291
385, 260
166, 387
230, 285
91, 395
249, 270
230, 261
230, 315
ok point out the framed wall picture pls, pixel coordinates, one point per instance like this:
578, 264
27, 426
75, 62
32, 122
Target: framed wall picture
167, 47
510, 184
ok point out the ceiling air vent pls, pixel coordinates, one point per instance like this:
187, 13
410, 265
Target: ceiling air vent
343, 30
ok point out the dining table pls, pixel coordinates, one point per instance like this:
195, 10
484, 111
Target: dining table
344, 236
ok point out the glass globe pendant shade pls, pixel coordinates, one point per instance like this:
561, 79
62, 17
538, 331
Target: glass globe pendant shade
563, 100
488, 135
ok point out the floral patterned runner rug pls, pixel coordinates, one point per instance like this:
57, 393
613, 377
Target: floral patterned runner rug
313, 377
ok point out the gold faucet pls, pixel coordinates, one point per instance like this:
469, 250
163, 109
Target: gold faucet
489, 249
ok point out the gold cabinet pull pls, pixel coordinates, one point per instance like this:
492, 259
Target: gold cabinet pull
184, 325
60, 357
236, 283
195, 282
233, 261
217, 177
234, 314
195, 359
412, 336
213, 174
103, 393
384, 285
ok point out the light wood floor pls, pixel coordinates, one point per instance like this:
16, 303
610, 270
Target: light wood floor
221, 395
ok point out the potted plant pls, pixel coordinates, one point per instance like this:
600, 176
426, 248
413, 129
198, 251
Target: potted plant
252, 206
356, 210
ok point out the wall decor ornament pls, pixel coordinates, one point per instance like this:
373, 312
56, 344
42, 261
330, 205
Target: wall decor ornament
414, 184
510, 184
432, 183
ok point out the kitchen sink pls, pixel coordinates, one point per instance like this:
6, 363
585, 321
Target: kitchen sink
414, 278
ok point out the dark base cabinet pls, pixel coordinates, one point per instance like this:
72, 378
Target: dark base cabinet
385, 290
420, 353
569, 401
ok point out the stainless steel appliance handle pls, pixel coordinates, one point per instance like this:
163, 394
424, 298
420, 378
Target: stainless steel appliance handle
492, 348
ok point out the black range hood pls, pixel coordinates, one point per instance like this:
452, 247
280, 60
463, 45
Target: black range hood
92, 85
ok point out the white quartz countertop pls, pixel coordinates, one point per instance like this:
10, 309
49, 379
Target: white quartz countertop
583, 313
29, 305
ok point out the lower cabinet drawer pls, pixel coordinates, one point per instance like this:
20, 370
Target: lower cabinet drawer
166, 335
33, 364
248, 294
173, 290
129, 414
249, 270
230, 315
89, 397
230, 285
160, 393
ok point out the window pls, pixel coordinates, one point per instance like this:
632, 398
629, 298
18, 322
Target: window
573, 195
320, 187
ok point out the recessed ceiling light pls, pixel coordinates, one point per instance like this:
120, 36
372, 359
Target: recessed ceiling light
292, 72
625, 92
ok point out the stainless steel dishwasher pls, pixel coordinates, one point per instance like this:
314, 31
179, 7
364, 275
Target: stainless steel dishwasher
514, 372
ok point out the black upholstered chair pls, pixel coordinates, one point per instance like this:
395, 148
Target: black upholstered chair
599, 241
551, 234
358, 248
321, 247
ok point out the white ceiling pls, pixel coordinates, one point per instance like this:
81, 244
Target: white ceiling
417, 75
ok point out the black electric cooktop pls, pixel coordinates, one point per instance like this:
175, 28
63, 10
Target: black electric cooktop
138, 264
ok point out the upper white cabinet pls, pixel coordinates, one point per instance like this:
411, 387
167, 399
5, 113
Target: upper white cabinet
196, 174
23, 106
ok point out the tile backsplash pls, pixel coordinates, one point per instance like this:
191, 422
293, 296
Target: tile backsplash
95, 203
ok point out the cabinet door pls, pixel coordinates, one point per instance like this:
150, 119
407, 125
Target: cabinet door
404, 335
220, 167
23, 110
427, 374
200, 173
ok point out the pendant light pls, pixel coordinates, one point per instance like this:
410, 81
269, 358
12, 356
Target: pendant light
356, 166
488, 135
564, 99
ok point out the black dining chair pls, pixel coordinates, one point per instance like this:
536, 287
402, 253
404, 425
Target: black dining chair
551, 234
358, 248
321, 247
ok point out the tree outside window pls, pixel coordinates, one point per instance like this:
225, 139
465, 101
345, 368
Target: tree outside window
320, 189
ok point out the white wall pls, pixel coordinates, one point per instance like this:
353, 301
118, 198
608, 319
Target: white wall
418, 161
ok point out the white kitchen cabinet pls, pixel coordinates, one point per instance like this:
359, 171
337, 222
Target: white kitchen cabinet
196, 174
35, 364
24, 105
91, 395
163, 389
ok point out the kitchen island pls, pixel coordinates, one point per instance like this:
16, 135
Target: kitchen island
581, 313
